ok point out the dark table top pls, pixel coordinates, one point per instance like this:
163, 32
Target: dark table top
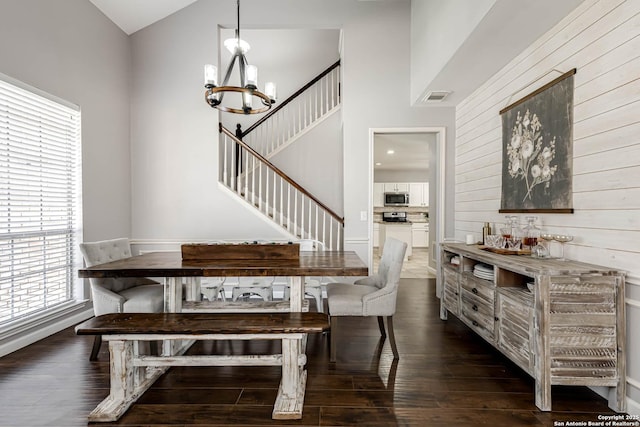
170, 264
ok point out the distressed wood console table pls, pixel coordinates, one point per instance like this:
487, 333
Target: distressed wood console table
568, 330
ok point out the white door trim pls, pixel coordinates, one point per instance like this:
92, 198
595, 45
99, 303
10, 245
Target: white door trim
441, 138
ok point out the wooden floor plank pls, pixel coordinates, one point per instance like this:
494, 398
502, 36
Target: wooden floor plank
446, 376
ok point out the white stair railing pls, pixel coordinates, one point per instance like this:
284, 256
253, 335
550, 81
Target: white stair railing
252, 177
297, 114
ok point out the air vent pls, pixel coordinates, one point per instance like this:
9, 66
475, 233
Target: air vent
435, 96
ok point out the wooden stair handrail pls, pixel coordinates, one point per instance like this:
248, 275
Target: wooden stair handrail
280, 173
291, 98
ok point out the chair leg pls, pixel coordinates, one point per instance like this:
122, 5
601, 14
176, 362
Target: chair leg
97, 342
333, 321
316, 293
381, 326
392, 338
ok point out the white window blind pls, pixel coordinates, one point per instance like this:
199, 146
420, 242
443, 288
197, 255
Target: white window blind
39, 201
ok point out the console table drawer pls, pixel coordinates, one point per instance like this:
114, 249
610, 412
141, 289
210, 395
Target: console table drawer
479, 287
478, 312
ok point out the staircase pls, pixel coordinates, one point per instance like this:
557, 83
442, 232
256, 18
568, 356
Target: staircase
297, 115
245, 168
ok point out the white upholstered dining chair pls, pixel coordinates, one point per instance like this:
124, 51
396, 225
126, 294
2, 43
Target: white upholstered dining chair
119, 295
374, 295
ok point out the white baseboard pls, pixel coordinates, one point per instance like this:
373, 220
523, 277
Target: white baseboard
17, 342
608, 393
633, 407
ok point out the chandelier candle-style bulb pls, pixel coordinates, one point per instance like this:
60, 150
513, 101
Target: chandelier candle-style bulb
252, 77
247, 101
237, 45
270, 90
210, 76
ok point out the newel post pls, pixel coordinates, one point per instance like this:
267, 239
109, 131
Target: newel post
238, 151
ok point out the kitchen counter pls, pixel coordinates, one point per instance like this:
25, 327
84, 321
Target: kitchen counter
397, 230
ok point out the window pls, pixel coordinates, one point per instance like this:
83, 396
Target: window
39, 202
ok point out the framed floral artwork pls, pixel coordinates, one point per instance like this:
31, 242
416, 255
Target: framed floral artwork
537, 156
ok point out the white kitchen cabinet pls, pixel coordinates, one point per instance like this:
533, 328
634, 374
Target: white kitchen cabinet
425, 194
420, 234
376, 234
396, 187
419, 194
378, 194
415, 193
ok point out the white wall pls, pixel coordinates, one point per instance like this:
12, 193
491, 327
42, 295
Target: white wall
376, 87
438, 29
315, 162
174, 134
71, 50
600, 39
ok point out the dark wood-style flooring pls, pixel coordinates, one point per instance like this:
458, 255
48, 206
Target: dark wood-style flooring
446, 376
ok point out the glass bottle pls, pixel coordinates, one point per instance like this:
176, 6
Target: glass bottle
531, 233
510, 226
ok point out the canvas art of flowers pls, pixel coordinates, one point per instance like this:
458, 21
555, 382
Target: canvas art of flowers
530, 157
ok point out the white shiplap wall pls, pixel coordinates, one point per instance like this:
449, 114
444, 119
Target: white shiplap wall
601, 38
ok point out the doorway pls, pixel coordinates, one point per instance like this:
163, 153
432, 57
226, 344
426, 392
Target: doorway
424, 263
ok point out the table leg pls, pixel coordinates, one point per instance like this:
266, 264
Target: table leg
290, 399
172, 304
296, 296
193, 289
172, 294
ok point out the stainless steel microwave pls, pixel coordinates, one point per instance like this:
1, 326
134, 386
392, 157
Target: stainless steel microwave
396, 199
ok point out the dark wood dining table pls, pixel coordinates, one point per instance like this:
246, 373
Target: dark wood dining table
171, 267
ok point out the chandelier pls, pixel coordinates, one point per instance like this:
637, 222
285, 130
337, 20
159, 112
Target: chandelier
248, 89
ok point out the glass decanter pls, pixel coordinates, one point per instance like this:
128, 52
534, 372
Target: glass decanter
530, 233
510, 227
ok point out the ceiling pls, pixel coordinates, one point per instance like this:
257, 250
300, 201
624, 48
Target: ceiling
410, 151
508, 28
134, 15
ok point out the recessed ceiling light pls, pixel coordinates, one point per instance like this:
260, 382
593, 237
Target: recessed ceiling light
390, 151
378, 164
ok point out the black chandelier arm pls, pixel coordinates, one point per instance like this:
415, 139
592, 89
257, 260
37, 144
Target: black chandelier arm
242, 63
238, 26
227, 73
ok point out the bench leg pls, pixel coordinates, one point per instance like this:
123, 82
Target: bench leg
122, 383
290, 399
127, 382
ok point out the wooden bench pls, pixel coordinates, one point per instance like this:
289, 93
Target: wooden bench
133, 373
